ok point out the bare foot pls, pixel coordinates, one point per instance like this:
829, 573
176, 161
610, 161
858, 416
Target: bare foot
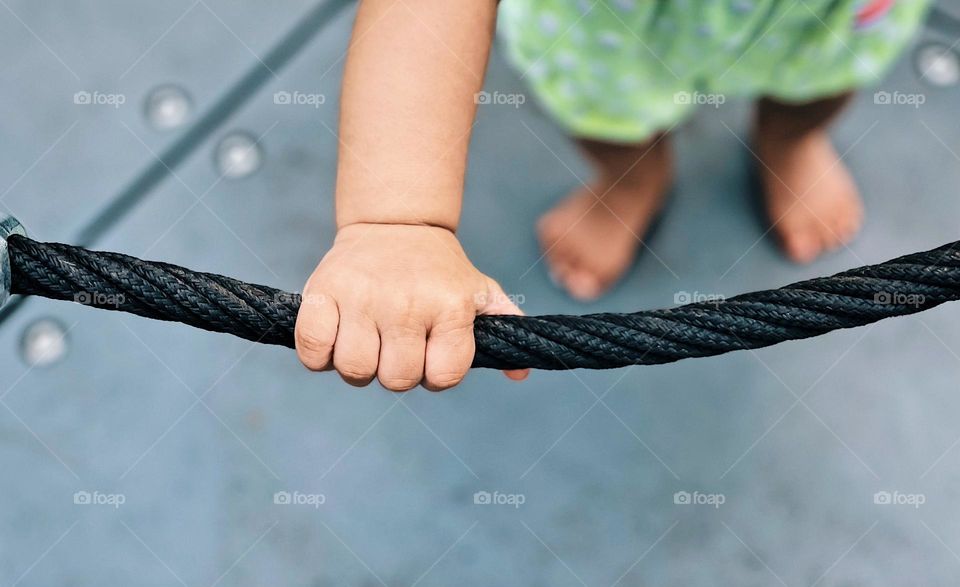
589, 244
811, 198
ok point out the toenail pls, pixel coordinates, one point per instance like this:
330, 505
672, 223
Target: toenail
803, 249
583, 287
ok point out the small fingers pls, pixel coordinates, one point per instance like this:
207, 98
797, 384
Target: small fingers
450, 349
357, 349
316, 331
401, 356
517, 374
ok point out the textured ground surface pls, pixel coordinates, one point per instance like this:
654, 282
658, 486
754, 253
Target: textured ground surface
197, 432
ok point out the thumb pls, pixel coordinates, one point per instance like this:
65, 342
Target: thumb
497, 302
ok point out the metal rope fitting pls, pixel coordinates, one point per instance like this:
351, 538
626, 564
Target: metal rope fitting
8, 226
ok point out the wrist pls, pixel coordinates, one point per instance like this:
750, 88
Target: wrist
361, 227
444, 224
436, 207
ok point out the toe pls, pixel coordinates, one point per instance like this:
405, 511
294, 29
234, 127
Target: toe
558, 273
551, 227
558, 264
802, 246
832, 236
583, 285
851, 226
846, 226
546, 231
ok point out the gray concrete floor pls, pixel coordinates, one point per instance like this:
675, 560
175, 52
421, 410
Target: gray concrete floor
198, 431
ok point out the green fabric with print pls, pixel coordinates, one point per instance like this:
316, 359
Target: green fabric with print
624, 69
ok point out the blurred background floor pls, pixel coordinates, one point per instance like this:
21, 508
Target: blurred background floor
195, 433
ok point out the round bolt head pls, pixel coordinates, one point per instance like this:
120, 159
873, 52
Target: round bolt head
43, 343
937, 64
167, 107
238, 155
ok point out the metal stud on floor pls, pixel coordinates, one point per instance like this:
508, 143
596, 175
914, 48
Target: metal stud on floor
937, 64
167, 107
238, 155
44, 342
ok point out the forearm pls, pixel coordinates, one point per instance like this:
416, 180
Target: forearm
407, 109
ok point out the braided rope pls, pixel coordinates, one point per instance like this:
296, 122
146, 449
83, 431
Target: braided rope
162, 291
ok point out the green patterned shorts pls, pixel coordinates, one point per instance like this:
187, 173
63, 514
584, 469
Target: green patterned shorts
623, 69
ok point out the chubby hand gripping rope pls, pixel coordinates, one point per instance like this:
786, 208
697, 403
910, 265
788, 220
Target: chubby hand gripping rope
162, 291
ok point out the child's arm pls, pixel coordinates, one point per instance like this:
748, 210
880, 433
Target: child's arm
396, 296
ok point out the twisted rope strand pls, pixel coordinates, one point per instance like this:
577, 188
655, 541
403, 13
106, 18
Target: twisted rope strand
162, 291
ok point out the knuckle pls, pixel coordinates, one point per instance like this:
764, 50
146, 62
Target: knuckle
460, 325
462, 315
455, 303
410, 329
355, 373
312, 351
310, 343
403, 336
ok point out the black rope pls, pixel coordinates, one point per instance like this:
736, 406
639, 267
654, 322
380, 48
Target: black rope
112, 281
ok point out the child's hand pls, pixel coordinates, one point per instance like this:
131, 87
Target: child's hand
396, 302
